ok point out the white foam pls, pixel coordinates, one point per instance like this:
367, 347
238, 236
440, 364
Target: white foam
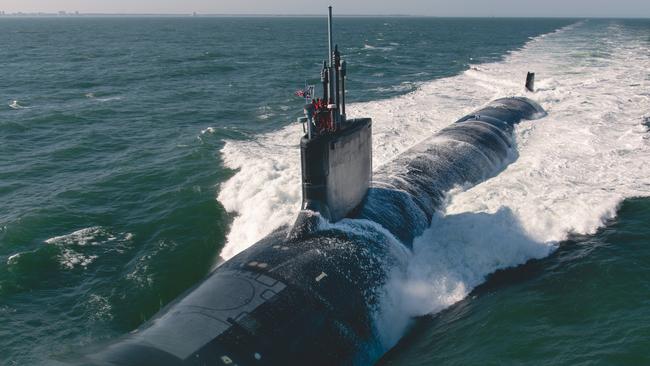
452, 257
266, 191
71, 253
70, 259
574, 167
371, 47
209, 130
16, 105
108, 99
81, 237
13, 258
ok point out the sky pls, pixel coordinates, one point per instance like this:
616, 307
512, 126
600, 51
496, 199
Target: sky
534, 8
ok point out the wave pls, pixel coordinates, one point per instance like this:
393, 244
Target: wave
208, 130
574, 167
380, 48
71, 254
109, 99
16, 105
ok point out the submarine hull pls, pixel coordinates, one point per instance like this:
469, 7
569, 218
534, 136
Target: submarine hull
309, 295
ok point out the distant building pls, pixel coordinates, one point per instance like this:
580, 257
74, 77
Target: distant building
62, 12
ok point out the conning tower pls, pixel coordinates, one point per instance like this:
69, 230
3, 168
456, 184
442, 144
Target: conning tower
336, 152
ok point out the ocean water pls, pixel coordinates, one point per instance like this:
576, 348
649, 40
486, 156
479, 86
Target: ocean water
137, 152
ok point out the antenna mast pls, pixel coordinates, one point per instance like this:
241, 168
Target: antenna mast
329, 35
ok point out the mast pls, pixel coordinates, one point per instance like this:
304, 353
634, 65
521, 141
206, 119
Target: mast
328, 113
335, 95
331, 70
329, 34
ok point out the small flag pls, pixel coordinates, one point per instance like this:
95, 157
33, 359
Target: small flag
302, 93
306, 93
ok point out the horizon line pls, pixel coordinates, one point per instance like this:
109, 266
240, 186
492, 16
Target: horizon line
262, 15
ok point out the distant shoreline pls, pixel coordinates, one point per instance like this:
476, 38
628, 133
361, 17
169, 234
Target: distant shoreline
191, 15
236, 15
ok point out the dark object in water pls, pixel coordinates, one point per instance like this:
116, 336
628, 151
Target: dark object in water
530, 81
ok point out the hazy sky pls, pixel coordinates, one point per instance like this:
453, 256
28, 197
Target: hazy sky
583, 8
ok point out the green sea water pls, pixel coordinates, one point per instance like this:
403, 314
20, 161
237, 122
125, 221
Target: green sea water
112, 133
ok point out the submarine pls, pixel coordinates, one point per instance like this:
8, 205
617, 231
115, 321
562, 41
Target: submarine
309, 294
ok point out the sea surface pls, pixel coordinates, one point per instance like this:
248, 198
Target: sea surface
136, 153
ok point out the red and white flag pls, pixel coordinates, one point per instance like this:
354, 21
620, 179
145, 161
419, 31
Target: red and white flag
302, 93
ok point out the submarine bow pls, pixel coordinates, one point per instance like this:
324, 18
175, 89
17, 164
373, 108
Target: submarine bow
309, 295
